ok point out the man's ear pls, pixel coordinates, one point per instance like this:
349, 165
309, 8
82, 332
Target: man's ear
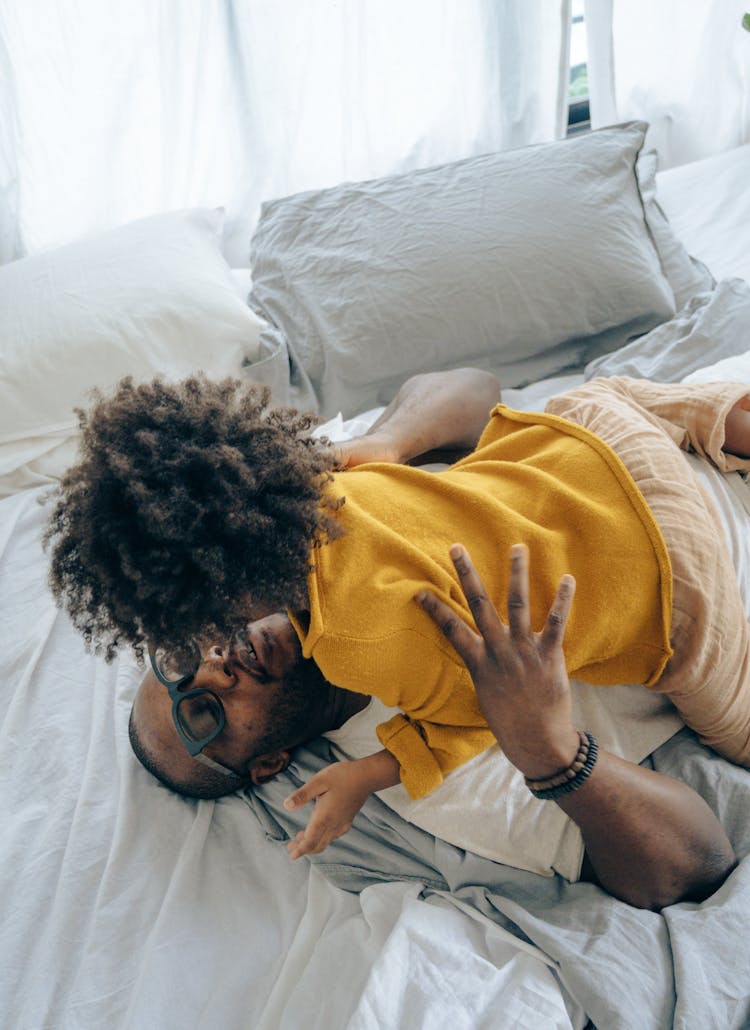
266, 767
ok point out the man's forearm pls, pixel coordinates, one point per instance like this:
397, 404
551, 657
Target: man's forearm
650, 840
438, 410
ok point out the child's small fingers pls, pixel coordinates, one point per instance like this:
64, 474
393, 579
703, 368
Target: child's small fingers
307, 792
293, 846
303, 844
309, 846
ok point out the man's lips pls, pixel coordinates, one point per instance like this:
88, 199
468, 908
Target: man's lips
269, 646
246, 653
260, 644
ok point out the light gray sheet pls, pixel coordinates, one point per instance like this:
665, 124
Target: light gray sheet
711, 326
630, 969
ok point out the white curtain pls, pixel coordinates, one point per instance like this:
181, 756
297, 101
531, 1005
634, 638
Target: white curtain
681, 65
110, 111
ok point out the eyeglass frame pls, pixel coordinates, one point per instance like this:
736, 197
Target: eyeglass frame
176, 696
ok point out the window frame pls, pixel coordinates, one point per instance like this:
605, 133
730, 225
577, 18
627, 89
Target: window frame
579, 113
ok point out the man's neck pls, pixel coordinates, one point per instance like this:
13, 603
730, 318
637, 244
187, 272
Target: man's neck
342, 706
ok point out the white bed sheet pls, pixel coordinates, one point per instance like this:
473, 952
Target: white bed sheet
126, 907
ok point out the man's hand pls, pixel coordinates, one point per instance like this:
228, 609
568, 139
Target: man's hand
650, 840
520, 676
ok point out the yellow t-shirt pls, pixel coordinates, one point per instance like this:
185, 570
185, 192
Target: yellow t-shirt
533, 478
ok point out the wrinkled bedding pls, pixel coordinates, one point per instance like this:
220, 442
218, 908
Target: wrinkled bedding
629, 969
689, 966
107, 881
127, 907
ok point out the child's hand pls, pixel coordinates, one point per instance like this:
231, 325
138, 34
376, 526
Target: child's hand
339, 791
737, 429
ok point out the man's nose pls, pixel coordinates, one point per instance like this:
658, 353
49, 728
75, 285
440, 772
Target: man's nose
215, 668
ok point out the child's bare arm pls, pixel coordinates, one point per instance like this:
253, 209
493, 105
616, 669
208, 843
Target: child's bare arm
339, 791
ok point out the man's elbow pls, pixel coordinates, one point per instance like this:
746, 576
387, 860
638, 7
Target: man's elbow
694, 881
704, 879
693, 876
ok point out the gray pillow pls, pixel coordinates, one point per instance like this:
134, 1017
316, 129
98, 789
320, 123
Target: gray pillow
526, 261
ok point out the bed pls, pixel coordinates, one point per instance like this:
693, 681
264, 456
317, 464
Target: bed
126, 906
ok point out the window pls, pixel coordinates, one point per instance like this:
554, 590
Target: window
578, 88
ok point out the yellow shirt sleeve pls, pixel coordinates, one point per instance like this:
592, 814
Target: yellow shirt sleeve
428, 751
416, 670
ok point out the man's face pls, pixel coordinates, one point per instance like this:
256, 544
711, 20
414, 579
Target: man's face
268, 693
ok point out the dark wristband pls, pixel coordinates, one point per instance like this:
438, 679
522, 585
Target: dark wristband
570, 779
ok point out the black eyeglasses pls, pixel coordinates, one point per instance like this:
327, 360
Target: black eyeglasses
198, 714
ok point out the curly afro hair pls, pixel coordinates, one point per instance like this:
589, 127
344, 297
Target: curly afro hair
191, 503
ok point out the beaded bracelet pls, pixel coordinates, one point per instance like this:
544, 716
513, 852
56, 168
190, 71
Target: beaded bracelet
570, 779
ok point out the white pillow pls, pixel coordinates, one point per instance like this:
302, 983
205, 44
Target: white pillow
152, 297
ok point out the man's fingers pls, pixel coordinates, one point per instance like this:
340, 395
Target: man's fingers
554, 627
463, 637
519, 620
484, 612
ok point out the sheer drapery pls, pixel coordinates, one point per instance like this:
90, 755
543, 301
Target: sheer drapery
684, 67
111, 111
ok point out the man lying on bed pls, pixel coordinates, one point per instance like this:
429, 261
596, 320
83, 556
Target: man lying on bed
650, 839
193, 506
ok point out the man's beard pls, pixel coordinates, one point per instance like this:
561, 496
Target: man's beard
297, 707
